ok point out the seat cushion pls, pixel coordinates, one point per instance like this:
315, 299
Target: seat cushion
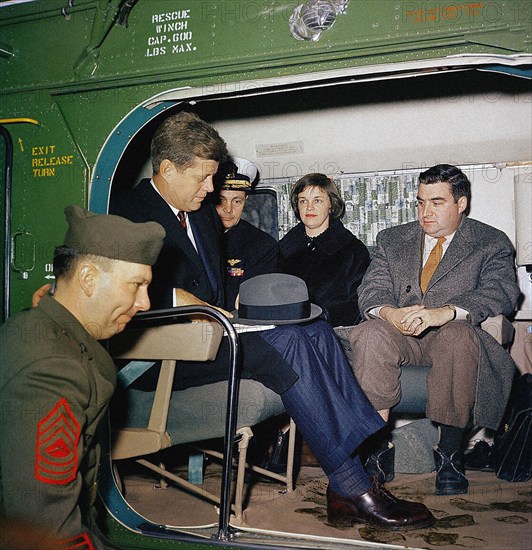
199, 413
413, 390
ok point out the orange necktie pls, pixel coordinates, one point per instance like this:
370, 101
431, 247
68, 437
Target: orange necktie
432, 263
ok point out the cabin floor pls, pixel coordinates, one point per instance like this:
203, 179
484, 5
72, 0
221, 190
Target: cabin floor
494, 515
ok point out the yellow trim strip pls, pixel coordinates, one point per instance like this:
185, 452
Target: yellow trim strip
15, 120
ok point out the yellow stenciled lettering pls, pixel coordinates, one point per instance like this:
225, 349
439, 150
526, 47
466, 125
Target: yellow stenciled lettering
42, 150
43, 172
44, 161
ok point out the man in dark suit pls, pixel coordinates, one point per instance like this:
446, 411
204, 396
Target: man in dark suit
428, 288
304, 364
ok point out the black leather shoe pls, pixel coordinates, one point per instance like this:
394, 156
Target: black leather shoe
377, 508
480, 457
279, 456
450, 478
380, 464
276, 461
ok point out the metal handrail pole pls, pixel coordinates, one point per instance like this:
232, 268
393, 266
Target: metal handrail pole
232, 396
7, 219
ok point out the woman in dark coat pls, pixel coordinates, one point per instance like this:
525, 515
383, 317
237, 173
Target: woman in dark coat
322, 252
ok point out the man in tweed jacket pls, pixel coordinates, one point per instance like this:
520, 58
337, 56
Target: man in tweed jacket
435, 320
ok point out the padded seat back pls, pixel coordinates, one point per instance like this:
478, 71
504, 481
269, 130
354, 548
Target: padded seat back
161, 418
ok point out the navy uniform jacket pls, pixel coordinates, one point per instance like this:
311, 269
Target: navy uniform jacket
247, 251
332, 266
201, 273
55, 384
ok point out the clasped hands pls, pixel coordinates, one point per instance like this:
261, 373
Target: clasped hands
413, 320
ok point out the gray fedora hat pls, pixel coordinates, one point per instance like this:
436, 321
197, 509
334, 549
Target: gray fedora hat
274, 299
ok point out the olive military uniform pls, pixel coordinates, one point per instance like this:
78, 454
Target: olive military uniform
56, 380
55, 383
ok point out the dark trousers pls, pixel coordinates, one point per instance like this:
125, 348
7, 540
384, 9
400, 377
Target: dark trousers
327, 404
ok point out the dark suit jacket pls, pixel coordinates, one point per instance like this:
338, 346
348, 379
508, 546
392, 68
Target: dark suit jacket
476, 273
179, 265
201, 274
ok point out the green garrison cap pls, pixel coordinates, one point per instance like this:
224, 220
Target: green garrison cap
113, 236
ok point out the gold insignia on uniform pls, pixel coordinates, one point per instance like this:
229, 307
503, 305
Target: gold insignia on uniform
232, 262
237, 184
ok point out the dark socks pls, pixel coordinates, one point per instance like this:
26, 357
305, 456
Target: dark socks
375, 444
450, 439
350, 479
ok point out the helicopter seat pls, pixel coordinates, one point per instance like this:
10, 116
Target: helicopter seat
156, 420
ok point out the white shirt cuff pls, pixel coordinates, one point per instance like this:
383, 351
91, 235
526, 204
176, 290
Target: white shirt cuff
375, 313
461, 314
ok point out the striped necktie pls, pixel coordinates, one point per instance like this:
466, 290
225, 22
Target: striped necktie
432, 263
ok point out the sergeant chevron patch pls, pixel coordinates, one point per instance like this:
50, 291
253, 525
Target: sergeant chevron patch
83, 542
58, 433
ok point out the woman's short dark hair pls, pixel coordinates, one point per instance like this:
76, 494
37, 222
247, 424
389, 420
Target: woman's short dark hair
447, 173
184, 136
323, 182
